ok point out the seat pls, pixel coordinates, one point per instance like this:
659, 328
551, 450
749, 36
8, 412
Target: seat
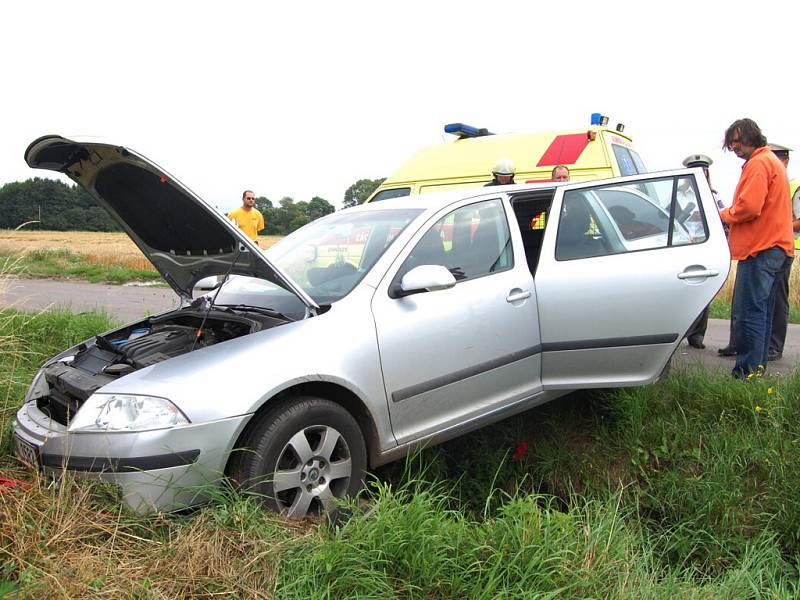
573, 238
484, 249
428, 251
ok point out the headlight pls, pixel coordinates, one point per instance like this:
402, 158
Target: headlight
124, 412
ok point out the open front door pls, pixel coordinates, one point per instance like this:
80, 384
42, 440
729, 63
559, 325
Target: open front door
623, 275
473, 349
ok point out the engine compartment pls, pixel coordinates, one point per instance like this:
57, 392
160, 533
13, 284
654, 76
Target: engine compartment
103, 359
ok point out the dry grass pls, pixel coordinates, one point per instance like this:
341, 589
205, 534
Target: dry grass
97, 247
726, 293
63, 543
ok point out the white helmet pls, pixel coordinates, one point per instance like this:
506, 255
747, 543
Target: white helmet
504, 166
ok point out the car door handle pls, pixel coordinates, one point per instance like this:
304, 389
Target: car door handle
517, 295
694, 274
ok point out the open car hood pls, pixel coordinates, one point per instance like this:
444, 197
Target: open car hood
184, 237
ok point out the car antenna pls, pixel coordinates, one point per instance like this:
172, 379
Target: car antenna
199, 333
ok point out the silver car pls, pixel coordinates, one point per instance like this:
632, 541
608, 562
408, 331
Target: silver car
363, 335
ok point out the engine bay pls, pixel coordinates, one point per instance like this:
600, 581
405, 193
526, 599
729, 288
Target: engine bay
103, 359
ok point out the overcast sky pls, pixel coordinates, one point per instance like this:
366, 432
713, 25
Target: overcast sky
305, 98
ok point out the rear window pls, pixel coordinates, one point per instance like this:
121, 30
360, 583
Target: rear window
392, 193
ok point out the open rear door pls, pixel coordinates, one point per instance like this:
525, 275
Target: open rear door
624, 274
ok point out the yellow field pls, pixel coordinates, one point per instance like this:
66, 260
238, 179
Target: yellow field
97, 247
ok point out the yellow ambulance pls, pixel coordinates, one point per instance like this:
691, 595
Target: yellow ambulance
595, 152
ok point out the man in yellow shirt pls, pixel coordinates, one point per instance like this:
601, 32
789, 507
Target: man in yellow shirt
248, 217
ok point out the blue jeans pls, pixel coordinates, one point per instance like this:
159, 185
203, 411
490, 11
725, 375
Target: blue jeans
757, 281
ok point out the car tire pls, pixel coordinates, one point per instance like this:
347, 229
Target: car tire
302, 457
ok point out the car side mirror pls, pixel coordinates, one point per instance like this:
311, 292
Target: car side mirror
424, 278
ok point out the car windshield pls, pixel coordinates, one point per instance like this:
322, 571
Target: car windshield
329, 256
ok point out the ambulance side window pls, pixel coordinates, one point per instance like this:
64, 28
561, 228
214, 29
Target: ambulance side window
627, 165
392, 193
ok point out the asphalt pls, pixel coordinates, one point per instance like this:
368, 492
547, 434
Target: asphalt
127, 303
122, 302
717, 335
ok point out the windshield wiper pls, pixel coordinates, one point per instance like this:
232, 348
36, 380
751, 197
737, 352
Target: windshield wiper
258, 309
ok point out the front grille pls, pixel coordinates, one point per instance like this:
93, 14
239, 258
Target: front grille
58, 406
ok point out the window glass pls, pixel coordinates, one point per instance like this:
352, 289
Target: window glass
637, 160
393, 193
625, 218
624, 159
471, 241
329, 256
688, 212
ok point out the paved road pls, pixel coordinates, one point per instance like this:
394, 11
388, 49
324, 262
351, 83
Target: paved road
127, 303
717, 337
123, 302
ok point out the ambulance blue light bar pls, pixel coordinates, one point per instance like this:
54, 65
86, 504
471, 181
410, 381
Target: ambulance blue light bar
466, 131
598, 119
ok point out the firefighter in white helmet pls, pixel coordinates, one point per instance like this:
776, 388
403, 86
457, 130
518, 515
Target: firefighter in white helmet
503, 172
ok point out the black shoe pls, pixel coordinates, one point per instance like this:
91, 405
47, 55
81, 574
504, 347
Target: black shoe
727, 351
696, 342
774, 355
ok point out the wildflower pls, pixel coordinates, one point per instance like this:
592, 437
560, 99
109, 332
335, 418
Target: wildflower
13, 484
770, 390
519, 451
758, 408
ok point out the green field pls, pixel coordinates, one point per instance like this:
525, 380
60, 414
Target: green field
684, 489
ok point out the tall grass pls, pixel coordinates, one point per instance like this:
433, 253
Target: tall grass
685, 489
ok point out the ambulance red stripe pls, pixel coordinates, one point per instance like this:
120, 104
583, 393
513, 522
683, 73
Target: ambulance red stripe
564, 150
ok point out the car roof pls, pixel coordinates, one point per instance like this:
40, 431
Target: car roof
433, 201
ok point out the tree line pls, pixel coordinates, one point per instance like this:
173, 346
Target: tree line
58, 206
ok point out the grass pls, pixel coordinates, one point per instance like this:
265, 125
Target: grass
63, 263
97, 257
686, 488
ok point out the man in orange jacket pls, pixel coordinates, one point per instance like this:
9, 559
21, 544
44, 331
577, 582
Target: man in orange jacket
760, 239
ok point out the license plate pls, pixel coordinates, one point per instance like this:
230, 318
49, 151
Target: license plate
25, 451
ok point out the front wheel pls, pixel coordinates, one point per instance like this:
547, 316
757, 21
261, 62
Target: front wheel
302, 456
